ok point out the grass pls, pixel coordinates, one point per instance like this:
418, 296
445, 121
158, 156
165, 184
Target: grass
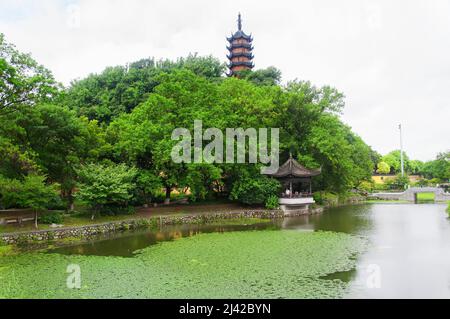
251, 264
6, 250
425, 197
69, 220
448, 208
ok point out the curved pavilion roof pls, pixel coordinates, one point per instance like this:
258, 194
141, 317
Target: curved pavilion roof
292, 168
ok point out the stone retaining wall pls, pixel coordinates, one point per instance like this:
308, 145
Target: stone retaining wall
91, 231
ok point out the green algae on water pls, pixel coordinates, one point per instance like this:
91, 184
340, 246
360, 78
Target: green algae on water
250, 264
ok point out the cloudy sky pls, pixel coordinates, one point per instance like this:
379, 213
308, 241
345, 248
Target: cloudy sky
390, 58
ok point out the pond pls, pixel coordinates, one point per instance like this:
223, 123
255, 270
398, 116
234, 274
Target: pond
361, 251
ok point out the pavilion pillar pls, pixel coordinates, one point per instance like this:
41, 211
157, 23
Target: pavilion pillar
290, 189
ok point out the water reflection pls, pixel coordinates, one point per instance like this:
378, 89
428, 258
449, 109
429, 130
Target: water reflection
348, 219
410, 251
126, 243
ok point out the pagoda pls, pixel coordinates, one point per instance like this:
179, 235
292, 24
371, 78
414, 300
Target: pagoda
240, 49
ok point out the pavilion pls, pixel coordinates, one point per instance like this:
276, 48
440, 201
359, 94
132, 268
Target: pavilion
296, 182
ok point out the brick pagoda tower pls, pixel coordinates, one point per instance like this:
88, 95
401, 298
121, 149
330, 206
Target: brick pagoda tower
240, 50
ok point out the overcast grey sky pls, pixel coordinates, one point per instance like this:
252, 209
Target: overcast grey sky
390, 58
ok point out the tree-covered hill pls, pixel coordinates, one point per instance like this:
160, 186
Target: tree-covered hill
125, 115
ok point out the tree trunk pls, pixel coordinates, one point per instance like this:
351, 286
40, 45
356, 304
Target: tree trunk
168, 190
70, 200
35, 219
146, 201
94, 212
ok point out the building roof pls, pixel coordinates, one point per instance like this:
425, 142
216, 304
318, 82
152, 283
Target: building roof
248, 64
292, 168
240, 45
239, 34
240, 54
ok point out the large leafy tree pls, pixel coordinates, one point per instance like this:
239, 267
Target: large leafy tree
261, 77
102, 185
439, 168
120, 89
30, 192
144, 136
50, 139
415, 166
393, 159
23, 82
62, 141
383, 168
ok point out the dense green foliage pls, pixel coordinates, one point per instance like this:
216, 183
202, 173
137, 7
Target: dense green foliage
383, 168
31, 192
106, 185
120, 89
272, 202
53, 218
255, 190
107, 137
439, 168
434, 171
23, 82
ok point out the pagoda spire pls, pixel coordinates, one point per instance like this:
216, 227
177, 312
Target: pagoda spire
239, 22
240, 48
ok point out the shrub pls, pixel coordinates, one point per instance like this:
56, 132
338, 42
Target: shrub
52, 218
56, 203
434, 181
272, 202
422, 182
106, 186
31, 192
9, 192
380, 187
349, 197
326, 198
254, 190
366, 186
383, 168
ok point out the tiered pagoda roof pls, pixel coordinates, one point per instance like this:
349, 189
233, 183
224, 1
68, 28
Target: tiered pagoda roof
240, 48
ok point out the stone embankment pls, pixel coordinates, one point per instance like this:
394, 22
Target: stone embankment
92, 231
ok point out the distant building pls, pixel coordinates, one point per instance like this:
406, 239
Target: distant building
382, 178
240, 48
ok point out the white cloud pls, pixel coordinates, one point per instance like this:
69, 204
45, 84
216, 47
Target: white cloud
389, 58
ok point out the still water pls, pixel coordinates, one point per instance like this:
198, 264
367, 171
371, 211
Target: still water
408, 255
